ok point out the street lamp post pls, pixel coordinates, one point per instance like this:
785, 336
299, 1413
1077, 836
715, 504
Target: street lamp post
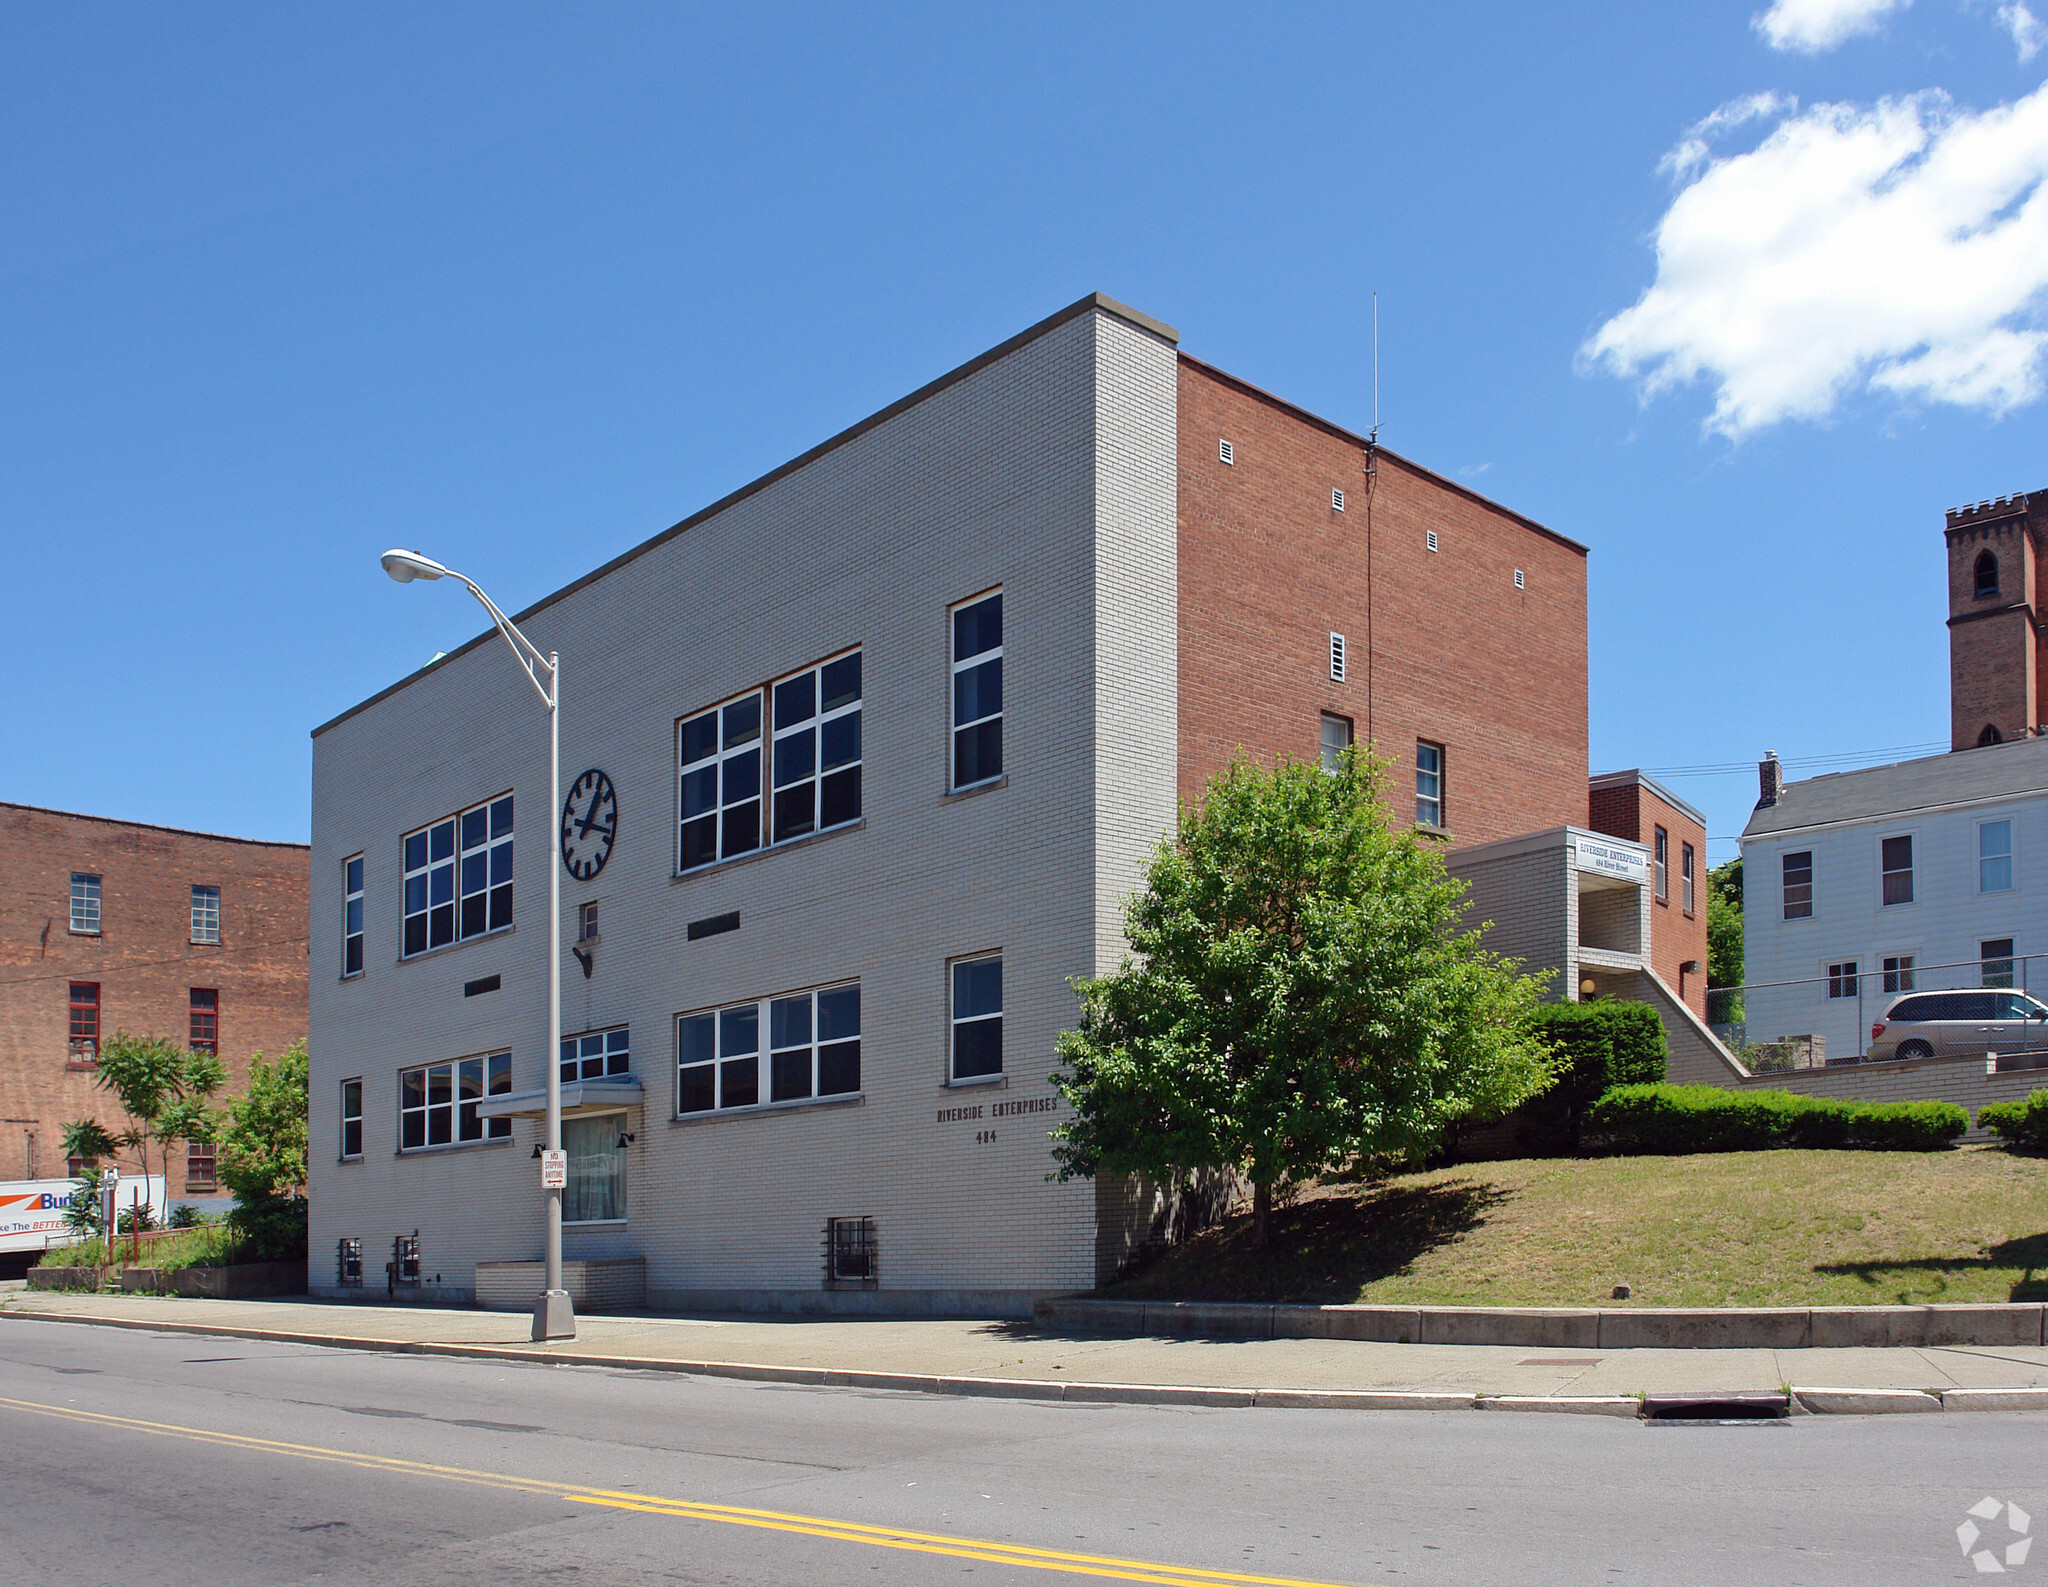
554, 1317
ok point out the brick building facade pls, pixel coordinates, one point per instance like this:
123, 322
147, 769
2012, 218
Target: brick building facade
110, 926
1630, 805
1997, 619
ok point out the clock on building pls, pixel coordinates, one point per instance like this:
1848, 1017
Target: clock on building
590, 821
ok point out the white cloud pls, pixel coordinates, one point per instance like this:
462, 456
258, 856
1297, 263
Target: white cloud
1694, 149
2026, 29
1900, 247
1811, 26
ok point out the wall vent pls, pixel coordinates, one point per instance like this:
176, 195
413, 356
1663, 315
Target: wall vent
1223, 453
1336, 658
714, 925
1432, 539
1336, 501
489, 983
1518, 579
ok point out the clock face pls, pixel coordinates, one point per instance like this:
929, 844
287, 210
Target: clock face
590, 821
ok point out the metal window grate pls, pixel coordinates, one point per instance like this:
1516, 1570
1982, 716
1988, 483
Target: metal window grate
1518, 579
1432, 539
1336, 501
348, 1262
1337, 658
1223, 453
404, 1271
851, 1257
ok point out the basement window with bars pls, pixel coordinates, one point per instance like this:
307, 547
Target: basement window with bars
852, 1258
348, 1262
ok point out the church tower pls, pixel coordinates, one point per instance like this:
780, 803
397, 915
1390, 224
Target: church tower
1997, 651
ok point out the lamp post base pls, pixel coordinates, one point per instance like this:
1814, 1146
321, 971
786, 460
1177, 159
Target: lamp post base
554, 1316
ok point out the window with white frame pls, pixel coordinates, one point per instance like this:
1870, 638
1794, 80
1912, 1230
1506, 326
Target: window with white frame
352, 1118
816, 754
1898, 972
813, 1050
85, 904
1994, 857
1336, 739
596, 1148
437, 1103
1797, 871
458, 877
978, 690
599, 1055
1429, 784
206, 914
1661, 858
718, 756
1687, 866
1896, 856
1994, 961
352, 915
1842, 979
977, 1017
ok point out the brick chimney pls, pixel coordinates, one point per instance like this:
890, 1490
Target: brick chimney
1770, 780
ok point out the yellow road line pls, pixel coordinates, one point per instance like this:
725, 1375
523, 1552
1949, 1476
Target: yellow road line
1107, 1567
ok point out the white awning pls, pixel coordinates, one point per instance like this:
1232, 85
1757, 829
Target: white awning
578, 1096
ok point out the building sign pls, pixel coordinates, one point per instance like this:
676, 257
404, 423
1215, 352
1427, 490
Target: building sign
998, 1110
1611, 859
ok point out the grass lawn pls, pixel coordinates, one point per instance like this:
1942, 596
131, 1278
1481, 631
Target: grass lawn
1784, 1228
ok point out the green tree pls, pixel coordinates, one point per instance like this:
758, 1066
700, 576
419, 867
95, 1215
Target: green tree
163, 1088
1301, 995
262, 1157
1724, 928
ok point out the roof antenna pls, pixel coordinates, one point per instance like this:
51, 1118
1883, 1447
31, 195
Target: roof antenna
1372, 444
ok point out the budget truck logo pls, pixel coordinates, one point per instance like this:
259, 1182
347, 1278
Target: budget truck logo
33, 1210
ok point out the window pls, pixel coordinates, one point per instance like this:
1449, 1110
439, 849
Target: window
85, 1022
596, 1191
1429, 784
352, 1118
199, 1165
204, 1021
719, 757
206, 914
458, 877
817, 749
598, 1056
1897, 860
1685, 877
1842, 979
352, 916
348, 1262
1336, 739
813, 1051
1339, 658
850, 1251
586, 922
437, 1104
1995, 961
1994, 857
978, 691
1986, 575
1990, 736
1798, 887
85, 904
977, 1017
1898, 974
1660, 849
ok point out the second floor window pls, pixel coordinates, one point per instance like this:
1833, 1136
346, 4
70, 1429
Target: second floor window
352, 1118
816, 753
85, 904
352, 915
1662, 853
812, 1050
1798, 885
978, 691
1686, 865
597, 1056
1898, 870
458, 877
85, 1022
1429, 784
206, 914
719, 756
205, 1020
977, 1017
1336, 739
1994, 857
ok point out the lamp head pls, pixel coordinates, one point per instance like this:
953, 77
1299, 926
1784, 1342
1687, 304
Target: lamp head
405, 566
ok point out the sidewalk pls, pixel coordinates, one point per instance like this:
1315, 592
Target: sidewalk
1023, 1360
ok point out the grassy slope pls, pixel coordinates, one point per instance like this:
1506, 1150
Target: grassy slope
1738, 1228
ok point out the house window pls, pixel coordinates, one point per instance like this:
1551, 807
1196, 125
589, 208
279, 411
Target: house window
719, 759
85, 1022
1661, 848
1686, 868
204, 1020
813, 1051
1897, 859
85, 904
352, 1118
199, 1165
1336, 739
597, 1056
596, 1192
1798, 886
978, 691
1429, 784
977, 1017
850, 1255
1994, 960
437, 1103
1994, 857
1898, 972
586, 922
206, 914
458, 877
1986, 573
352, 916
1842, 979
817, 749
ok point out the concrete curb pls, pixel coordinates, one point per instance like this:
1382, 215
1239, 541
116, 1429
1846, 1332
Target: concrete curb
1814, 1400
1568, 1327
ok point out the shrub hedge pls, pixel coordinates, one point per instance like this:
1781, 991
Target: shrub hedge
1602, 1045
1679, 1119
2022, 1125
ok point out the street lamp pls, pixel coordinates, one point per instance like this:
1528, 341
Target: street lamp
554, 1317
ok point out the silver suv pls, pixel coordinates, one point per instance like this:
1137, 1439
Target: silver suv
1948, 1024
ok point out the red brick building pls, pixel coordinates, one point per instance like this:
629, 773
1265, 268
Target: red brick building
1627, 804
110, 926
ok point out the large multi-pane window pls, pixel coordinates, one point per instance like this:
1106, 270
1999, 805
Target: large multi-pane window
1994, 857
816, 754
977, 1017
1797, 870
205, 914
204, 1020
458, 877
978, 690
812, 1049
85, 1022
85, 904
599, 1055
719, 757
1897, 858
352, 915
352, 1118
437, 1103
1429, 784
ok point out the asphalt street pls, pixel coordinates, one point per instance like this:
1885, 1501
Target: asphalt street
139, 1457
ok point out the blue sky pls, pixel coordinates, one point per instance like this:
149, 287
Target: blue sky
522, 286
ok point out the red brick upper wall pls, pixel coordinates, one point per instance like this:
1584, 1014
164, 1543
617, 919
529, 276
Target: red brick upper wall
1443, 647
